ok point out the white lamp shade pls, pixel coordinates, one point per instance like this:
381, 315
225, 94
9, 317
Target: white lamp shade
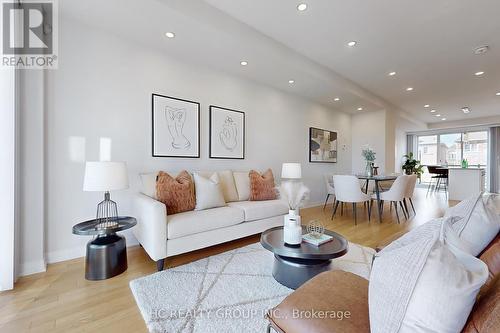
105, 176
291, 171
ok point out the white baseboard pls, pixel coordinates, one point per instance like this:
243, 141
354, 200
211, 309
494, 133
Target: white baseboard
78, 252
32, 267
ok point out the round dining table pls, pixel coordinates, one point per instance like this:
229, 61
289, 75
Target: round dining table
377, 179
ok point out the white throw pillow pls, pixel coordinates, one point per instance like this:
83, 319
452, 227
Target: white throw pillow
424, 282
242, 181
148, 181
208, 192
476, 222
228, 185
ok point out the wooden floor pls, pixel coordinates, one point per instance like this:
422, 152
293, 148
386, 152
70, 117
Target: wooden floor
61, 300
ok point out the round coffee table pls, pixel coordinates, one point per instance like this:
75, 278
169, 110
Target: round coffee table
295, 265
107, 253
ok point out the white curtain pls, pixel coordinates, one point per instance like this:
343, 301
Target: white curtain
494, 172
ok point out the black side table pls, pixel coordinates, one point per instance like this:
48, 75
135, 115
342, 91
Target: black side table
107, 253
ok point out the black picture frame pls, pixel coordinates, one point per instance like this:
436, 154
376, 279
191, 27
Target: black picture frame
312, 143
153, 150
210, 149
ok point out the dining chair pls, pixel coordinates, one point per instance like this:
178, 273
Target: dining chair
330, 188
347, 190
410, 189
433, 171
395, 195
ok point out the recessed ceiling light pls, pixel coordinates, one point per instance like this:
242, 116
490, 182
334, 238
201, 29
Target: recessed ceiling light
438, 115
465, 110
291, 81
352, 43
443, 118
432, 111
409, 89
301, 7
478, 73
481, 49
243, 63
336, 99
170, 34
360, 109
498, 93
392, 73
426, 105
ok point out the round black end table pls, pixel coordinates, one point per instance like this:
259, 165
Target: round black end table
295, 265
107, 252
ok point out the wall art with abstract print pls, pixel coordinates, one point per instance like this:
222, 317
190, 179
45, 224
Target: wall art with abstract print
322, 146
227, 133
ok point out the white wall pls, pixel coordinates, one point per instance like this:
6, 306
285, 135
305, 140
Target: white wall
368, 128
103, 88
7, 180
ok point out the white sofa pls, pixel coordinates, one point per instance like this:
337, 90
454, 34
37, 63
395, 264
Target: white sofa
164, 236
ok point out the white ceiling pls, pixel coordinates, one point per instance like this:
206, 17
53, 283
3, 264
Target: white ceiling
428, 43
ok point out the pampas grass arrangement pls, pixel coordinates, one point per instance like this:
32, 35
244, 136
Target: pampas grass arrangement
294, 193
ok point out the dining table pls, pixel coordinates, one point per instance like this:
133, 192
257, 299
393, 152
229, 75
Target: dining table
377, 179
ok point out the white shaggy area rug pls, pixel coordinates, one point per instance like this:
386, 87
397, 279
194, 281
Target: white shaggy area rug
228, 292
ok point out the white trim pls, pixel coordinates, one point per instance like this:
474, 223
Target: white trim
33, 267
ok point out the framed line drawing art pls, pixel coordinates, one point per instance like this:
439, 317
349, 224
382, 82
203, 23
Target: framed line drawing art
322, 146
175, 127
227, 133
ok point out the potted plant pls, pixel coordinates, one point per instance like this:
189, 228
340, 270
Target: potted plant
412, 166
369, 156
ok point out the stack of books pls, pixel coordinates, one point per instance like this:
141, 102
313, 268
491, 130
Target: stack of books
308, 238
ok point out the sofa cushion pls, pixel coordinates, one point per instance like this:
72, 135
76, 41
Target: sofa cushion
475, 221
227, 183
208, 191
424, 281
331, 302
148, 184
262, 187
242, 181
258, 210
176, 193
193, 222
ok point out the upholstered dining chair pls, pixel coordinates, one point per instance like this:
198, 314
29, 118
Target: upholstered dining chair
395, 195
347, 190
410, 189
330, 188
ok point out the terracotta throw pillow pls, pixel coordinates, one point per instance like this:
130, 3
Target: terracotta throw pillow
176, 193
262, 186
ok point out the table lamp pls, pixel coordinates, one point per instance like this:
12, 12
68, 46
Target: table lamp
106, 177
292, 189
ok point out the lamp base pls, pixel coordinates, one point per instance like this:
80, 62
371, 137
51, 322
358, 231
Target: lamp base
107, 213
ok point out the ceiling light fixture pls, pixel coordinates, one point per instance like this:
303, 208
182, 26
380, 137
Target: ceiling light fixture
443, 118
426, 105
478, 73
433, 110
336, 99
170, 34
409, 89
352, 43
438, 115
291, 81
498, 93
301, 7
481, 49
360, 109
465, 110
392, 73
243, 63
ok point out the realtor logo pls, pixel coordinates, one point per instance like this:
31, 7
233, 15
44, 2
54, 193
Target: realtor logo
29, 34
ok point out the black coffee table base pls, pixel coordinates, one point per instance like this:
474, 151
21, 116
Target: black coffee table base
106, 257
293, 272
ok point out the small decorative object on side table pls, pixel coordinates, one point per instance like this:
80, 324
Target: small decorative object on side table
294, 192
107, 253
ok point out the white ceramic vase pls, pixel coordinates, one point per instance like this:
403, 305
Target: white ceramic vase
292, 229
